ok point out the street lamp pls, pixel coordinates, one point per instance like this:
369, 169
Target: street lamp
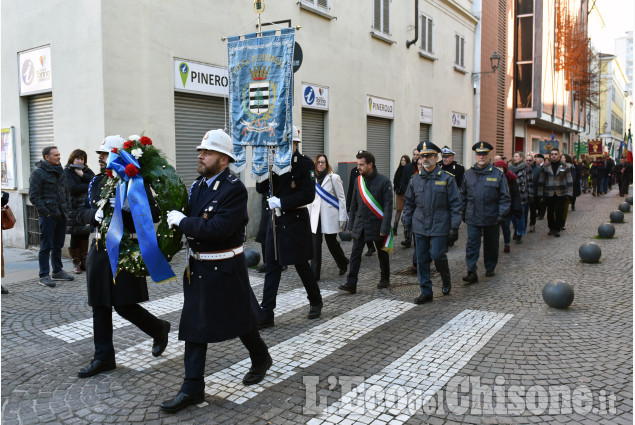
494, 62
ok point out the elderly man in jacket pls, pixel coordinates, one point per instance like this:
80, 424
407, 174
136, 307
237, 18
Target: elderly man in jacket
48, 192
433, 212
555, 185
485, 203
370, 219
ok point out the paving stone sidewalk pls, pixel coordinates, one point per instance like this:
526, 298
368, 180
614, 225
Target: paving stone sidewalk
496, 338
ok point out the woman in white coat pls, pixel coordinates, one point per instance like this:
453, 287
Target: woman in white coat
328, 215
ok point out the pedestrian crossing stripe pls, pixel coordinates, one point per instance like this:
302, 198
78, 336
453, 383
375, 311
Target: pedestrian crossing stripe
82, 329
424, 369
306, 349
136, 357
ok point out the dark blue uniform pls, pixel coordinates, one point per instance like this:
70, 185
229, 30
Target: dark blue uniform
294, 239
103, 293
219, 303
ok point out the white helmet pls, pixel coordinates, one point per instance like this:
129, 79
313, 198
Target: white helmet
296, 134
219, 141
109, 143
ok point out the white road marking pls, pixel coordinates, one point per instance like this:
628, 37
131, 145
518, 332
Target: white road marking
425, 369
138, 356
306, 349
82, 329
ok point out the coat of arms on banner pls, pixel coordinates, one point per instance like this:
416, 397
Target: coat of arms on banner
260, 97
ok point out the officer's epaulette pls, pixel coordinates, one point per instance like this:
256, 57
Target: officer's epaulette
232, 178
448, 173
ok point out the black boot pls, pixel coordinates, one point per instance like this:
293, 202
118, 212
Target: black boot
444, 270
471, 277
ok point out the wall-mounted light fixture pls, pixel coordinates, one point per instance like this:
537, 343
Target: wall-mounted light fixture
494, 62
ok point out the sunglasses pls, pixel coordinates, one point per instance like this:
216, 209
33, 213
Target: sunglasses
482, 154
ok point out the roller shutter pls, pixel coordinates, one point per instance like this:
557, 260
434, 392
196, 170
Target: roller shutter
312, 132
194, 115
40, 125
424, 133
378, 142
457, 144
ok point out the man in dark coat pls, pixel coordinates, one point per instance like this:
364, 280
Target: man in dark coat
624, 173
349, 195
219, 303
126, 291
366, 225
485, 204
49, 195
450, 166
555, 185
433, 212
291, 193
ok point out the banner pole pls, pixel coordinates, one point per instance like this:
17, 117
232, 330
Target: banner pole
273, 210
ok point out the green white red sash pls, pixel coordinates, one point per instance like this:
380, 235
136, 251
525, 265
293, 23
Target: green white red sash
377, 209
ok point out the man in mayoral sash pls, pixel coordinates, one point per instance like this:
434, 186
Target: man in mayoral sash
370, 220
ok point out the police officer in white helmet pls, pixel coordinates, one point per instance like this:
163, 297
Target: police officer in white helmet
219, 303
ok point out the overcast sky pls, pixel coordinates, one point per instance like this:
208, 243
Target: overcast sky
619, 16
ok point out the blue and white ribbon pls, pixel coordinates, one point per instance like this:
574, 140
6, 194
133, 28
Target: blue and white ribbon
330, 199
133, 189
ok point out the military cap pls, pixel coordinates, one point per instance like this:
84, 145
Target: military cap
447, 151
482, 147
428, 148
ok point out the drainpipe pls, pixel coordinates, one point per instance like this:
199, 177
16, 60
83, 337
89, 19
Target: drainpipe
477, 10
411, 42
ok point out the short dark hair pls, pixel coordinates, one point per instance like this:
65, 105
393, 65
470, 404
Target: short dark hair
539, 155
47, 151
554, 149
367, 156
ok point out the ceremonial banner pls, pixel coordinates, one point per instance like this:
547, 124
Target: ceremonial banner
547, 145
260, 99
595, 147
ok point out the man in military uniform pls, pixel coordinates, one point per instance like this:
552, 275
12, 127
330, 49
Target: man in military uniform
218, 301
485, 203
450, 166
433, 212
126, 291
365, 224
291, 193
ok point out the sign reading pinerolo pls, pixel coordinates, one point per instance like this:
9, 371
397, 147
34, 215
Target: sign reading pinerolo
380, 107
201, 78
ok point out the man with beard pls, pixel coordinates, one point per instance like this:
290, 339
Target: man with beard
126, 290
219, 303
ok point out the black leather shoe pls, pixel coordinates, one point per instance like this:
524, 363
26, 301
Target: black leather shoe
407, 244
370, 252
266, 323
257, 372
423, 299
181, 401
490, 273
348, 288
95, 367
471, 277
159, 344
446, 289
343, 269
383, 283
556, 233
262, 268
315, 311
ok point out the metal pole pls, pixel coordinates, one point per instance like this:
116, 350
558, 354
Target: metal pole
273, 210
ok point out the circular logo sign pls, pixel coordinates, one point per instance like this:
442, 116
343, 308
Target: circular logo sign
309, 95
28, 71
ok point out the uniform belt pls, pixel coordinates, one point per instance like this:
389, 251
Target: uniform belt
217, 255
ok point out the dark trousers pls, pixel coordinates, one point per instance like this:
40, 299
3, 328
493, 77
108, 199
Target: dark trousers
273, 272
52, 234
490, 235
624, 187
194, 360
356, 260
430, 248
102, 326
555, 211
334, 248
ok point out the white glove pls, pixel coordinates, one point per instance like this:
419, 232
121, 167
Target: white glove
342, 225
112, 201
175, 217
99, 216
274, 202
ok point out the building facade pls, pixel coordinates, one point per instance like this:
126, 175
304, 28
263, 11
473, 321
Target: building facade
113, 67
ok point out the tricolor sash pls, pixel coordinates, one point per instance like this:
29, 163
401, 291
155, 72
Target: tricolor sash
326, 196
377, 209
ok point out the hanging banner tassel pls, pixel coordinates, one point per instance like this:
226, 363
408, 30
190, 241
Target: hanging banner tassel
388, 243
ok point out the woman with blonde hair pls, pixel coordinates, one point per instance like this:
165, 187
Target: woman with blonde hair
328, 215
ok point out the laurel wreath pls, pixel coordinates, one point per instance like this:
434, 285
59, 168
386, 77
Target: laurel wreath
169, 193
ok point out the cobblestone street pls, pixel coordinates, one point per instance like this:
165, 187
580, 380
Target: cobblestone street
491, 352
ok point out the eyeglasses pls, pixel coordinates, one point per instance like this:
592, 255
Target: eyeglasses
321, 162
530, 160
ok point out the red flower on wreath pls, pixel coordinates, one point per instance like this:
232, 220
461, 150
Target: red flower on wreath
128, 144
145, 140
131, 170
109, 174
114, 150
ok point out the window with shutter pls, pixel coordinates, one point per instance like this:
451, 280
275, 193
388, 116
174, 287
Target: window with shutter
426, 34
381, 16
459, 54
